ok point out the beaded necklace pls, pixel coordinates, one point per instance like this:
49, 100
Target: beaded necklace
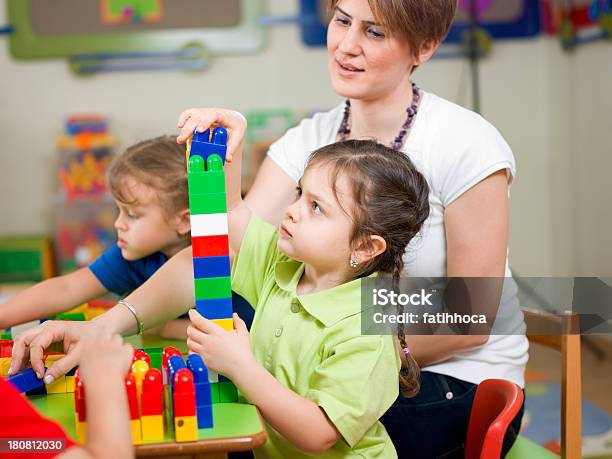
397, 143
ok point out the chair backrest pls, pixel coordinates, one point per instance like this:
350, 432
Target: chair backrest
561, 332
495, 405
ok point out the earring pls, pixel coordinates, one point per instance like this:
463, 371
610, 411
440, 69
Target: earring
354, 263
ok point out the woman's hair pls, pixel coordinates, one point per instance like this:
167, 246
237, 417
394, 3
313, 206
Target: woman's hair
391, 200
416, 21
158, 163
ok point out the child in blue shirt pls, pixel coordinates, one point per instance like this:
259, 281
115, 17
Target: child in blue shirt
149, 185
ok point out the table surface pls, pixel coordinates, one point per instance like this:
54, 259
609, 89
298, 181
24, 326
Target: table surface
237, 426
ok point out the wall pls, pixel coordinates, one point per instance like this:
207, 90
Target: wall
553, 108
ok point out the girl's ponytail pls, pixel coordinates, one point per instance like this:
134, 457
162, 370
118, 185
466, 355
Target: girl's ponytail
410, 382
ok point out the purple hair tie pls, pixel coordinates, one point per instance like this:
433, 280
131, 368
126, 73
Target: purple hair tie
405, 350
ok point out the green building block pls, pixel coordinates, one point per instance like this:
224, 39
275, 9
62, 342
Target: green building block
213, 287
206, 182
75, 316
156, 356
214, 390
227, 392
209, 203
6, 335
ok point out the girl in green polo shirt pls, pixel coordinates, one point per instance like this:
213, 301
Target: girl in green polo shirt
320, 384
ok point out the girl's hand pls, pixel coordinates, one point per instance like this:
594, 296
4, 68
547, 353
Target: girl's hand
104, 353
223, 351
200, 119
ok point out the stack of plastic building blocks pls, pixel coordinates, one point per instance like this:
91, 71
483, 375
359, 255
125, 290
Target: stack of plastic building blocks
176, 399
209, 230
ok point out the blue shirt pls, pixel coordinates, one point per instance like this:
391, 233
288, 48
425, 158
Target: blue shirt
121, 276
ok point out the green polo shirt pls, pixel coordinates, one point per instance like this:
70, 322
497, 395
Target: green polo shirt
313, 345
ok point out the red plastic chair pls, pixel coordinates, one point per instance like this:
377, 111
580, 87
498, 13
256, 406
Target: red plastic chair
496, 403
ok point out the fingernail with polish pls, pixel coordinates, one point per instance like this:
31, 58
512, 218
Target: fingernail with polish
48, 379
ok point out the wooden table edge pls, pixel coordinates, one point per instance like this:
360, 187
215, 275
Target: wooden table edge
208, 445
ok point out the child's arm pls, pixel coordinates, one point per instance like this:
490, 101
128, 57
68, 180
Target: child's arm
106, 361
155, 302
238, 214
299, 420
50, 297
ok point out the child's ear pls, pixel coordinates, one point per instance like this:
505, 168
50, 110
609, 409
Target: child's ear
183, 222
368, 249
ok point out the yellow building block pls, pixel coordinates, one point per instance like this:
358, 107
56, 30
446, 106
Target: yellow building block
81, 308
139, 369
69, 383
5, 364
51, 359
90, 313
186, 428
136, 431
81, 430
228, 324
152, 427
58, 386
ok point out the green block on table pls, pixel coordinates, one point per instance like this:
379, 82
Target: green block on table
227, 392
214, 390
75, 316
206, 182
209, 203
213, 287
155, 354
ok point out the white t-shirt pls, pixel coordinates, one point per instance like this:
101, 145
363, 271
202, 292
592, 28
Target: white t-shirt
454, 149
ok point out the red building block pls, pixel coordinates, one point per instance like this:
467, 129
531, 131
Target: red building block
139, 354
132, 395
184, 394
6, 348
152, 393
210, 246
166, 354
79, 398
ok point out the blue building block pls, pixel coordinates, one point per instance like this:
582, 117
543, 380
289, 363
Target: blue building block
205, 416
26, 381
202, 146
200, 379
40, 390
202, 391
197, 367
175, 363
215, 308
211, 267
